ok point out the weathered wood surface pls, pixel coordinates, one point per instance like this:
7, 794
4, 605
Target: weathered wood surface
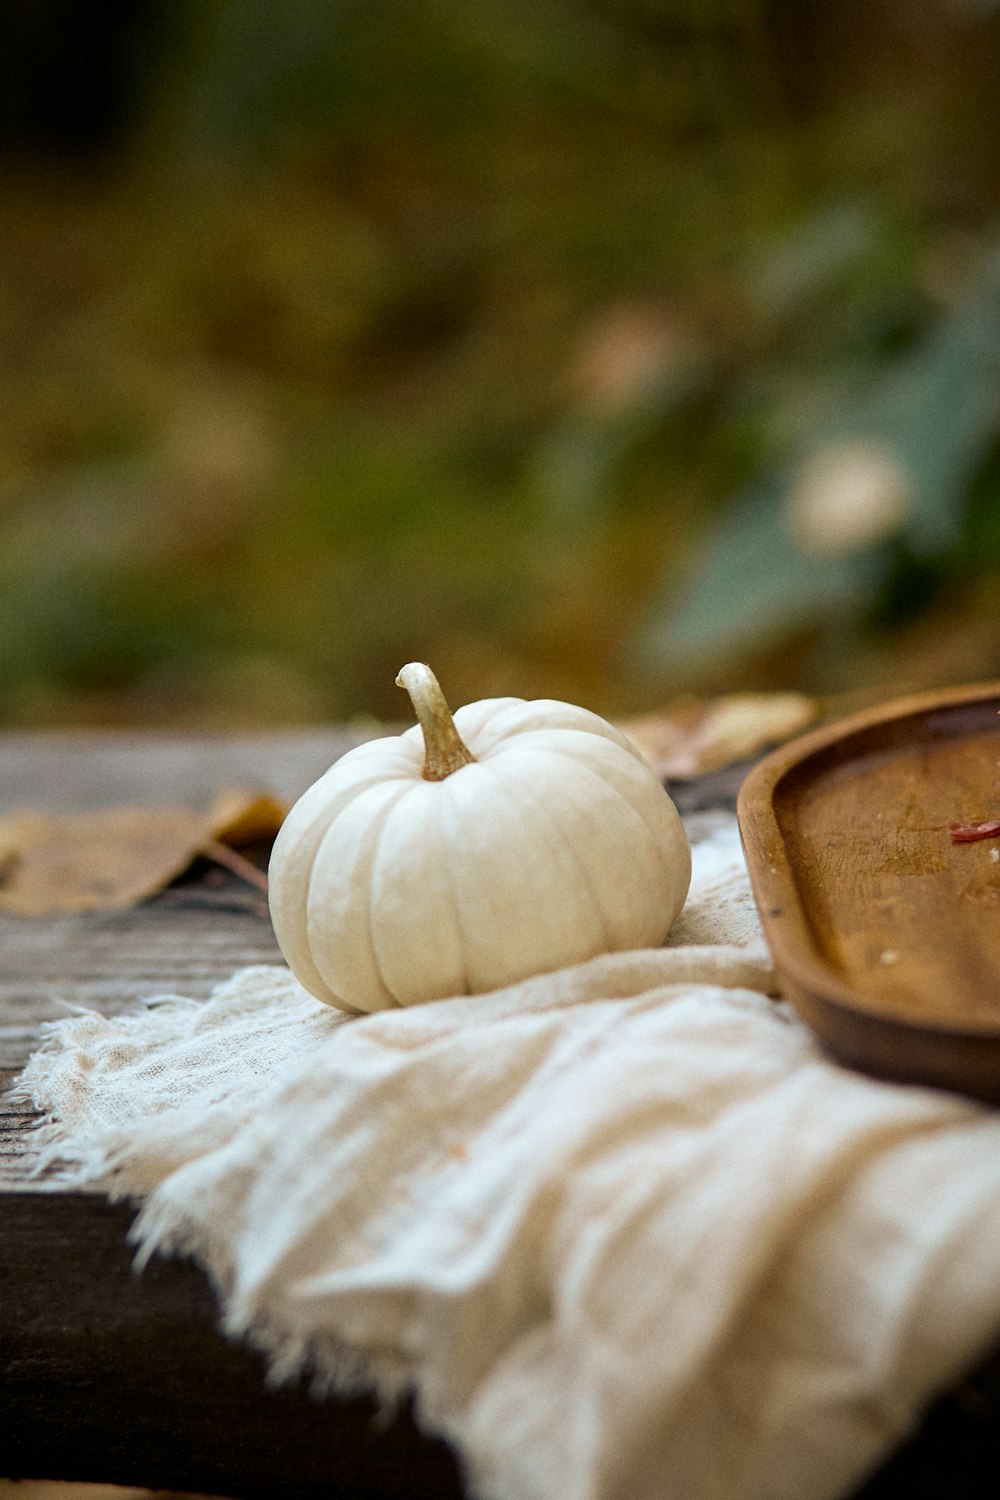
183, 941
113, 1378
109, 1377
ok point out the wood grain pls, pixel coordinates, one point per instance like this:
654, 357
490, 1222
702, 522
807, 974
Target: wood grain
184, 941
886, 933
119, 1379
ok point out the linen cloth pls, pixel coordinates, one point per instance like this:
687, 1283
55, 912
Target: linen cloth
623, 1230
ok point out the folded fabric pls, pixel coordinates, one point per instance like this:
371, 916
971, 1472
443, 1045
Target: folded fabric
623, 1230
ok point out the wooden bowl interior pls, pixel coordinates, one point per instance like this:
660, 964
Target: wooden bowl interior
885, 933
904, 917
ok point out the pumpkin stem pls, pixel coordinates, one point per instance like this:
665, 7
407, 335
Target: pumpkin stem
444, 749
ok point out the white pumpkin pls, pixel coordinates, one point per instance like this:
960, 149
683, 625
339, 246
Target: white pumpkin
472, 852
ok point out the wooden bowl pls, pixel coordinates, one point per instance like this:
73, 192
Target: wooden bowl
885, 933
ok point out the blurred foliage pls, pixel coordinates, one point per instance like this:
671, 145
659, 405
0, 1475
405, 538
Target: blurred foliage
525, 339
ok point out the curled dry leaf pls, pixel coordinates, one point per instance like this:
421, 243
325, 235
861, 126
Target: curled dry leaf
694, 735
53, 864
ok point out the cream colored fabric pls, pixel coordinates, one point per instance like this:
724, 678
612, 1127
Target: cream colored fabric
622, 1229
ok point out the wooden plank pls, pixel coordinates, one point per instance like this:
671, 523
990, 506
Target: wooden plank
109, 1377
184, 941
83, 769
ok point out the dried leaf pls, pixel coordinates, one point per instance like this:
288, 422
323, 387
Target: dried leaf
694, 735
238, 817
53, 864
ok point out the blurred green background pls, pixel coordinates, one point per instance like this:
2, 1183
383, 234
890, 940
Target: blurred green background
597, 349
